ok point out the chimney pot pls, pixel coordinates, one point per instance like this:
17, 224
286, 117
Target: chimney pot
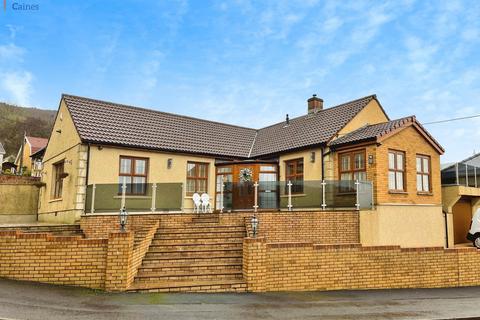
314, 104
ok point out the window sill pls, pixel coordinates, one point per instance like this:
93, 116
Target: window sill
55, 200
424, 193
397, 192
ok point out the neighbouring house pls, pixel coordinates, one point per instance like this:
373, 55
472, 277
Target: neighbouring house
460, 196
36, 161
30, 146
2, 153
8, 164
102, 156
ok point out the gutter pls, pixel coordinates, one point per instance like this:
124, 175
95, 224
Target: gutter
88, 164
445, 214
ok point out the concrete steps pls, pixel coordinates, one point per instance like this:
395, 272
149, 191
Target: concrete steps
200, 255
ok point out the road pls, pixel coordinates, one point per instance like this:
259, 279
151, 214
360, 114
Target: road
24, 300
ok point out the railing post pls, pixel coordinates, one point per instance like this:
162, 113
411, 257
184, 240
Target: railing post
466, 175
255, 207
289, 206
92, 205
475, 174
124, 191
357, 204
154, 197
456, 173
221, 194
324, 201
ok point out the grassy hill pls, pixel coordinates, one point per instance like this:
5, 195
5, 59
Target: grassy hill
15, 120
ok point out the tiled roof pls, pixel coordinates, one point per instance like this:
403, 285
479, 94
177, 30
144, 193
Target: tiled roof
111, 123
37, 143
377, 131
310, 129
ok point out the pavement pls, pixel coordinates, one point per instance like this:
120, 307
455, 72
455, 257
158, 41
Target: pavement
26, 300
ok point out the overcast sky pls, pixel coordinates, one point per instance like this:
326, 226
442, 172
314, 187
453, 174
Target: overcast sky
251, 62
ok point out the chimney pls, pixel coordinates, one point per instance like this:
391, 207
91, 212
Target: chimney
314, 104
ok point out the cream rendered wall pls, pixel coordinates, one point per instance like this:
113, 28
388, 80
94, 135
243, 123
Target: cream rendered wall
62, 146
403, 225
104, 168
311, 170
371, 114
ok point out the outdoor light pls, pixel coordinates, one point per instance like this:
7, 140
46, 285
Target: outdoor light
169, 163
254, 222
370, 159
312, 156
123, 219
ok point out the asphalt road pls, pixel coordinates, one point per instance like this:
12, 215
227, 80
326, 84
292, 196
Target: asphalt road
24, 300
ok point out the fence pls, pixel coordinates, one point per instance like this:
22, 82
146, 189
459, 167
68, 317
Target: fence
144, 197
461, 174
292, 195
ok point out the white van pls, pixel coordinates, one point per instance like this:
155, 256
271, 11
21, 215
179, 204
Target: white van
474, 232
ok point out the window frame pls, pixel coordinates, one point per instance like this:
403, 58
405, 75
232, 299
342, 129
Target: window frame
395, 170
132, 174
352, 170
196, 178
57, 189
299, 188
422, 173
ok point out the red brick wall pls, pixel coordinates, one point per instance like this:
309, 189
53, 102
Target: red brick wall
305, 266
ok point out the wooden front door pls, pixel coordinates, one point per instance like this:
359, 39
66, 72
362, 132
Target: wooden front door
244, 192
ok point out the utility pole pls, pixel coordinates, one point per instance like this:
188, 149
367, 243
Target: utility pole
21, 153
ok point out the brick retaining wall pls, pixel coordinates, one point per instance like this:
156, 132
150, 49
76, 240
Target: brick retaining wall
307, 266
109, 263
326, 227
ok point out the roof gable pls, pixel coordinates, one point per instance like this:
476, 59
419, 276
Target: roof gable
36, 143
381, 131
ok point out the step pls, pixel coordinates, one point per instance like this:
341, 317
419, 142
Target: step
196, 246
226, 285
196, 255
197, 241
190, 261
193, 253
187, 273
198, 267
197, 229
193, 236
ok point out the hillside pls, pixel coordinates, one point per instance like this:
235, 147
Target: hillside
14, 121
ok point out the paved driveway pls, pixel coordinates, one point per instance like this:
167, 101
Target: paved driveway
23, 300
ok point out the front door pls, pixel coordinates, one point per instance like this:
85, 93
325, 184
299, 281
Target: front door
243, 191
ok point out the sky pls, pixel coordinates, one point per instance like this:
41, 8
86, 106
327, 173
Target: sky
251, 62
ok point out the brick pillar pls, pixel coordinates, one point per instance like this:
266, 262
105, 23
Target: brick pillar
254, 263
119, 260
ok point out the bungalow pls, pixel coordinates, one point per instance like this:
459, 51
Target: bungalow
102, 156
